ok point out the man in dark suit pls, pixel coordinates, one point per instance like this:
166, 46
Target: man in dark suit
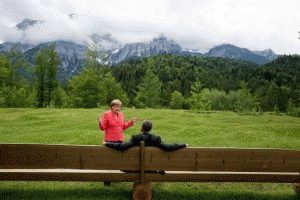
149, 139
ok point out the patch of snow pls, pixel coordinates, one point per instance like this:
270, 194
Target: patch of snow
116, 51
192, 51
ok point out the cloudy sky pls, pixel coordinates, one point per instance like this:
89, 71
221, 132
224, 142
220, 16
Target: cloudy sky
194, 24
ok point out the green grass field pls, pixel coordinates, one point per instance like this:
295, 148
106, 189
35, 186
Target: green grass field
218, 129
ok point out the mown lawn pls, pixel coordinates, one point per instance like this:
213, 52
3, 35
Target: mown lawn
218, 129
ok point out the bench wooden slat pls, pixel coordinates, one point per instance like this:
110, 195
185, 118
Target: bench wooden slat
38, 162
219, 160
37, 156
118, 176
224, 177
223, 159
66, 175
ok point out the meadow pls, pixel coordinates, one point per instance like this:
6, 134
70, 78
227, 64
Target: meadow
216, 129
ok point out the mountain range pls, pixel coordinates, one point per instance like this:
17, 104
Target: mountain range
72, 54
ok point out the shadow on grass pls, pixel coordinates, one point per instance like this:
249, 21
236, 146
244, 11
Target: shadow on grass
117, 193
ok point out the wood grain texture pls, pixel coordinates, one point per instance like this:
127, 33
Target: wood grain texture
223, 159
66, 175
142, 162
86, 163
40, 156
141, 191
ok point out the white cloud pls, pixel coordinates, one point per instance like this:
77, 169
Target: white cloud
194, 24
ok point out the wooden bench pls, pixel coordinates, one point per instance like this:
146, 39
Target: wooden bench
39, 162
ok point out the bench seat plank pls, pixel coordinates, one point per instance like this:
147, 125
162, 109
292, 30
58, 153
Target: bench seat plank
66, 175
169, 176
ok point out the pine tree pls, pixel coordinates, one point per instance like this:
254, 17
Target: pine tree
177, 100
52, 65
47, 62
40, 73
5, 71
88, 89
246, 102
16, 61
272, 96
198, 100
149, 91
114, 90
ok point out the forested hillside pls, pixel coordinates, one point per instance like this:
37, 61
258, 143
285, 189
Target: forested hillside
179, 73
163, 80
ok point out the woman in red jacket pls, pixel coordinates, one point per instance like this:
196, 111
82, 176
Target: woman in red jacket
113, 123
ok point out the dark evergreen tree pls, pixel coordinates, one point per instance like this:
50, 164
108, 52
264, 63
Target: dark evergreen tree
40, 73
149, 91
52, 65
5, 71
272, 96
88, 89
17, 64
47, 62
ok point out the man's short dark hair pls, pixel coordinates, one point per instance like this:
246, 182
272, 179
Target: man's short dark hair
147, 125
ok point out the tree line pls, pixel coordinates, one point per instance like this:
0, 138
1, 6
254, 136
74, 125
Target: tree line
160, 81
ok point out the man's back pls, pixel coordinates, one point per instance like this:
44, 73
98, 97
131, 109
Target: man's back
149, 139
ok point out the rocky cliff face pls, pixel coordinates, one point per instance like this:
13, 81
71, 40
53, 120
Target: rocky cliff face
231, 51
26, 23
23, 47
268, 54
70, 54
157, 45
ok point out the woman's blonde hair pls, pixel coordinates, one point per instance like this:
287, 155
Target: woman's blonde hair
115, 102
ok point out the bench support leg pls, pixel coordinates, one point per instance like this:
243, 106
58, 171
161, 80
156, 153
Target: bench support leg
142, 191
297, 188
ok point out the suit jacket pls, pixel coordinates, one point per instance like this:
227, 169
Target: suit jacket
149, 139
114, 127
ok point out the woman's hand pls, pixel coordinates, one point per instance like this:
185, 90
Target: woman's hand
103, 143
186, 145
134, 119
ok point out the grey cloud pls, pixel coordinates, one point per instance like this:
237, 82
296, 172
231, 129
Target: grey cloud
193, 24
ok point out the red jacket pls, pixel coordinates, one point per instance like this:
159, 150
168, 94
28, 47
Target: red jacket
112, 127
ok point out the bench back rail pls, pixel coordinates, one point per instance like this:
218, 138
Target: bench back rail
223, 159
40, 156
96, 163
